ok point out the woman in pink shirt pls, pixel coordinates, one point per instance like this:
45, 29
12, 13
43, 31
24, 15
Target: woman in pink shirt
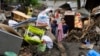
62, 27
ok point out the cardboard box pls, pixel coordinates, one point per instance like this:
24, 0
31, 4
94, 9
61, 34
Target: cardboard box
20, 16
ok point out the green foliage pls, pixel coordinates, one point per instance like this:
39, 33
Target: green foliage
34, 2
28, 2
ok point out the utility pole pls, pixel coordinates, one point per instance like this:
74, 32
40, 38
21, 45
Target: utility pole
78, 4
0, 4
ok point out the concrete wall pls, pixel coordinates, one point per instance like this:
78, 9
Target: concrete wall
73, 4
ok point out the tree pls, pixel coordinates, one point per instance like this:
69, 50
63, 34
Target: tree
34, 2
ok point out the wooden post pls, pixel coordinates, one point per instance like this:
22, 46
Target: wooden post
0, 4
78, 4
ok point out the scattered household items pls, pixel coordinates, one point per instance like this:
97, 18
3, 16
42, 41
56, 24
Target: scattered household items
12, 22
8, 29
93, 53
87, 46
20, 16
37, 36
31, 31
30, 20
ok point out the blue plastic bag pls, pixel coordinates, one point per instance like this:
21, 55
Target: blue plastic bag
93, 53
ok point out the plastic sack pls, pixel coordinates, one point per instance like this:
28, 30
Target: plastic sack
48, 41
41, 47
93, 53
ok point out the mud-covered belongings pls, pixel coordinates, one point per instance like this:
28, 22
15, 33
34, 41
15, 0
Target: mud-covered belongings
65, 6
36, 36
87, 46
7, 13
23, 23
9, 29
9, 40
96, 12
48, 41
32, 31
84, 16
97, 29
20, 16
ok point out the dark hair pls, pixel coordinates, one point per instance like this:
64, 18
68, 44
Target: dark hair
50, 11
54, 21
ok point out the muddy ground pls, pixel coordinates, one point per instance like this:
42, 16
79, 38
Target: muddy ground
72, 49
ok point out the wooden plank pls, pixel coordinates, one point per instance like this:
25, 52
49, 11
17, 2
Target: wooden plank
19, 16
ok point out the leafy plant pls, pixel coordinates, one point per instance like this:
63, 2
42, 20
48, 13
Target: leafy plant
28, 2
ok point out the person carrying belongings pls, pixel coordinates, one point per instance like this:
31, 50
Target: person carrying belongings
43, 20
